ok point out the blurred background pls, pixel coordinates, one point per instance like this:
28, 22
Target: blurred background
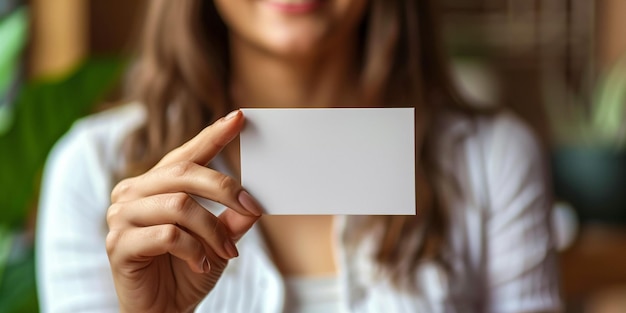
560, 64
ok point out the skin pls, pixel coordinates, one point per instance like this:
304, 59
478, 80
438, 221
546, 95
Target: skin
306, 61
167, 252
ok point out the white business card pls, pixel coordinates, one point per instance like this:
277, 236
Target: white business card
357, 161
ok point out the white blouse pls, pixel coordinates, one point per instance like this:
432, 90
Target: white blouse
501, 248
312, 294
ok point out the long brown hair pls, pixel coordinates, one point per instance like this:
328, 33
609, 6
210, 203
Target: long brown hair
182, 79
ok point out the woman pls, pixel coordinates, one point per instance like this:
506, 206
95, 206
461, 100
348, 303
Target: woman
479, 243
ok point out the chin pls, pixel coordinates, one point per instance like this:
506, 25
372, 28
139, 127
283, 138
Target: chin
292, 28
295, 47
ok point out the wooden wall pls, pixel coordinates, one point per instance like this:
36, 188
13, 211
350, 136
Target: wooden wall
610, 32
59, 35
66, 31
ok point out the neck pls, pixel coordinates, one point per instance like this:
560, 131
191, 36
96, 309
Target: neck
265, 81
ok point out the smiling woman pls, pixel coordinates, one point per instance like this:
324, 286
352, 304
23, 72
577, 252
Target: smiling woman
481, 197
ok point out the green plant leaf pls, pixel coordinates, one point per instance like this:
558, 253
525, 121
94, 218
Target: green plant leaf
43, 112
13, 31
18, 291
609, 114
6, 241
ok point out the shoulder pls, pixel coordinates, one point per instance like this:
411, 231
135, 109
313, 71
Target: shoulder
108, 127
99, 136
510, 150
85, 159
505, 133
493, 157
515, 162
501, 136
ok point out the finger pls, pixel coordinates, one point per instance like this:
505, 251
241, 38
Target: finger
208, 143
144, 243
236, 223
177, 209
190, 178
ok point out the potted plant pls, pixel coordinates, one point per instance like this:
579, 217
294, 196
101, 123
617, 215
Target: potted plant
589, 165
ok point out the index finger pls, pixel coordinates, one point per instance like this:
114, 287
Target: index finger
202, 148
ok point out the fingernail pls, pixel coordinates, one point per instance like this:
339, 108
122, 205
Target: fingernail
248, 203
230, 248
206, 266
231, 115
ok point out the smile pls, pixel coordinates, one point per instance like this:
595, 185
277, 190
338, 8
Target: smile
295, 6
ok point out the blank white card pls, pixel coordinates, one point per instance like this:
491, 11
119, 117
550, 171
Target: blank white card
330, 161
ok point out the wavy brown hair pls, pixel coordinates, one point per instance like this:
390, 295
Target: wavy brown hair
182, 76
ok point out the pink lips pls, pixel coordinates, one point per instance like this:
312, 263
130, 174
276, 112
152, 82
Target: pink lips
295, 8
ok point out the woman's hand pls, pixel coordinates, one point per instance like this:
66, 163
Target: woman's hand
166, 251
